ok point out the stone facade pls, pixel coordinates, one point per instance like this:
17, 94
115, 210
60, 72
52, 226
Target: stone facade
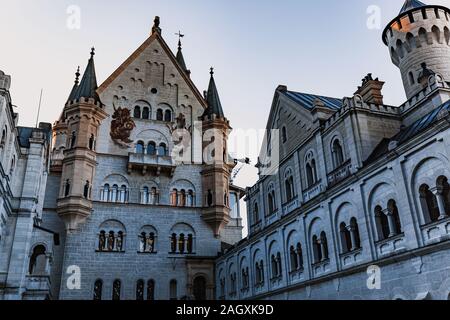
359, 205
110, 197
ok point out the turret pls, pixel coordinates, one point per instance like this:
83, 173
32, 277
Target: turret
419, 34
217, 169
81, 119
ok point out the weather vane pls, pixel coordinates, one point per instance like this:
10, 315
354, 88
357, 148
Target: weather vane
180, 35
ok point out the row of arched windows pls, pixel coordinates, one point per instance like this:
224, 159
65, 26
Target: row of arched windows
182, 198
276, 265
435, 201
182, 243
111, 241
146, 114
141, 291
114, 193
152, 149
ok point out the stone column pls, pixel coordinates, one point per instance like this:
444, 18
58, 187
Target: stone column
352, 230
322, 249
391, 222
441, 202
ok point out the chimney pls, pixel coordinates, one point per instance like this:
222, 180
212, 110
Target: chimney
370, 90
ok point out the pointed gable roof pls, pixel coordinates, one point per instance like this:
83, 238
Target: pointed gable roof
212, 99
411, 4
155, 36
88, 85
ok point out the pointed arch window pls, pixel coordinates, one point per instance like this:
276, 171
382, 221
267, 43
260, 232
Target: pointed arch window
311, 170
289, 186
338, 154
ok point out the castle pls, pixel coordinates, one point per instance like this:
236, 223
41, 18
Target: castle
117, 193
129, 195
359, 205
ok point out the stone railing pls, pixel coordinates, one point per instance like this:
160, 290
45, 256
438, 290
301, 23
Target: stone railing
392, 245
351, 258
312, 191
436, 231
155, 163
339, 174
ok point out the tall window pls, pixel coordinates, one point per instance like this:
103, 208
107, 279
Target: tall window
137, 112
117, 286
73, 140
429, 204
284, 134
168, 116
173, 290
92, 142
98, 287
67, 188
162, 150
159, 115
289, 186
151, 148
87, 188
140, 290
140, 147
271, 200
146, 113
151, 290
382, 223
4, 137
338, 154
346, 241
388, 221
256, 217
200, 288
311, 170
38, 261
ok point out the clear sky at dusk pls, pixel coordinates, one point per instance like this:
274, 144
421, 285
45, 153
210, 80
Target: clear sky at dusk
321, 46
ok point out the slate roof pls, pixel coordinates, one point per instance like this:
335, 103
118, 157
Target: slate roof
213, 100
408, 132
411, 4
88, 85
307, 100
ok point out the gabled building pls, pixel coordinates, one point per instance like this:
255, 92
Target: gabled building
353, 197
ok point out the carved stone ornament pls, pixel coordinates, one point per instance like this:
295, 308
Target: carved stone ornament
121, 127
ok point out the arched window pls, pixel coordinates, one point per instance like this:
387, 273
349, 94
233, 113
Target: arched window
293, 258
123, 194
317, 250
271, 200
289, 186
98, 287
86, 190
261, 271
209, 198
112, 240
182, 198
411, 78
423, 37
4, 137
168, 116
190, 244
174, 197
159, 115
173, 243
393, 210
105, 193
67, 188
354, 229
279, 265
146, 113
38, 261
311, 170
300, 255
102, 240
151, 290
200, 288
399, 48
162, 150
284, 134
181, 243
256, 217
324, 243
137, 112
117, 286
173, 290
436, 34
145, 195
190, 198
411, 41
257, 274
274, 266
92, 142
114, 193
382, 223
151, 148
429, 204
447, 35
338, 154
73, 140
346, 241
140, 290
140, 147
444, 191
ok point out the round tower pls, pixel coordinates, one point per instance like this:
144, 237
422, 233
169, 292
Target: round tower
419, 43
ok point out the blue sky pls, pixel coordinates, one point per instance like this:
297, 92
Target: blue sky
321, 46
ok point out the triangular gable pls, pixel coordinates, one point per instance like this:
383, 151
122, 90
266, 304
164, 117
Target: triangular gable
136, 54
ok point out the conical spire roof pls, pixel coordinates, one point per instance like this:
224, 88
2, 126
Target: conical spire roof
88, 85
180, 58
213, 100
411, 4
75, 86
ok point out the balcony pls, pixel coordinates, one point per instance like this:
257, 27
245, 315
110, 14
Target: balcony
313, 191
392, 245
290, 206
339, 174
151, 163
436, 231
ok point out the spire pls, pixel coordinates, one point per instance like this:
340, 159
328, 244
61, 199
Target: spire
213, 100
75, 86
88, 85
156, 27
411, 4
179, 57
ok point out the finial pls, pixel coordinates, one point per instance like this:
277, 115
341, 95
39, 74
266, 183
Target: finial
212, 71
77, 75
92, 52
156, 23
